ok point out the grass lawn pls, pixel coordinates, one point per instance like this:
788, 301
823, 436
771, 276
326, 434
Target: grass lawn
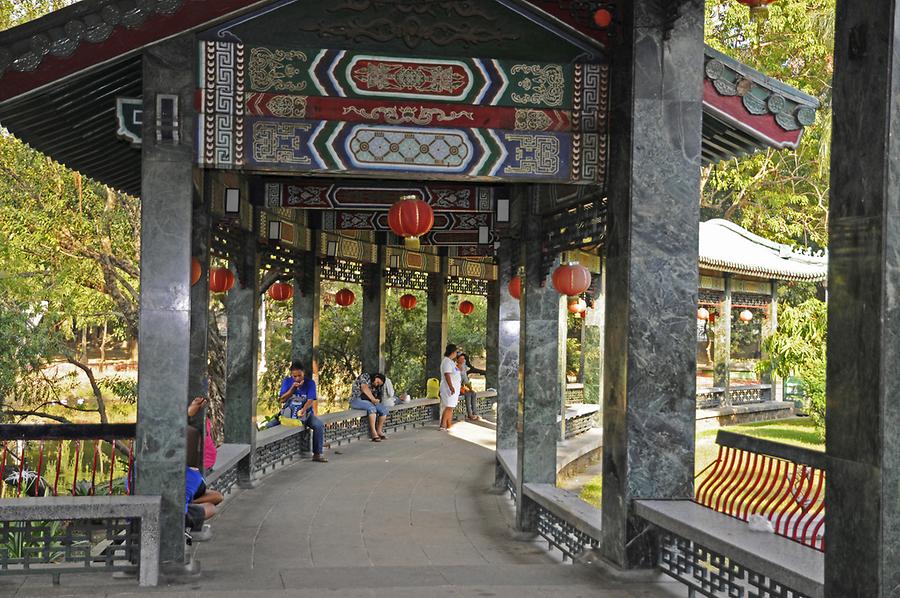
798, 431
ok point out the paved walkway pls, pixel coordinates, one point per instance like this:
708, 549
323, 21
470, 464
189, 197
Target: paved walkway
409, 517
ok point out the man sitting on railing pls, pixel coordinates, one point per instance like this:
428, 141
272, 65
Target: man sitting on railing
299, 398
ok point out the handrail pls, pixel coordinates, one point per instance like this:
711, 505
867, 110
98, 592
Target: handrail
795, 454
67, 431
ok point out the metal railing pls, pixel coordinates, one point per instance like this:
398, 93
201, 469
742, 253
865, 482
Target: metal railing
782, 483
66, 459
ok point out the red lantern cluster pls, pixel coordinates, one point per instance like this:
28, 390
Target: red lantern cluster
196, 271
281, 291
410, 218
344, 298
220, 280
408, 301
759, 9
466, 308
571, 279
515, 287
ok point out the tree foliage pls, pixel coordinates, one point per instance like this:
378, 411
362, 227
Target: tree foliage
782, 195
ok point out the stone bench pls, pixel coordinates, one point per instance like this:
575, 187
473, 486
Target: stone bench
65, 542
223, 475
717, 555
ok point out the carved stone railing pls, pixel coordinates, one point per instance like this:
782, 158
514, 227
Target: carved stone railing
714, 397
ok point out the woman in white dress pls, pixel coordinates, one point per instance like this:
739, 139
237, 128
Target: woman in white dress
451, 381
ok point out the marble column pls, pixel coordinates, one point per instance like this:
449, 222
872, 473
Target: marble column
164, 338
436, 322
198, 373
508, 342
863, 404
242, 353
306, 306
592, 345
562, 339
722, 348
539, 364
770, 325
652, 270
373, 315
492, 335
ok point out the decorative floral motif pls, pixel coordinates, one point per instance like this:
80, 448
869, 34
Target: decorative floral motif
545, 85
532, 120
398, 115
430, 79
277, 68
287, 106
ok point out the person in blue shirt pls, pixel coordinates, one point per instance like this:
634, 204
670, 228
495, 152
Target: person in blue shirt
199, 501
299, 400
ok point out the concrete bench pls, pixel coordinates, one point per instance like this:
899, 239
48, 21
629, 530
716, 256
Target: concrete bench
717, 555
69, 508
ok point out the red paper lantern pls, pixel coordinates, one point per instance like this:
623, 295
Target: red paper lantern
196, 271
602, 18
703, 314
410, 218
571, 279
344, 298
221, 280
408, 301
515, 287
759, 9
746, 316
466, 308
577, 306
281, 291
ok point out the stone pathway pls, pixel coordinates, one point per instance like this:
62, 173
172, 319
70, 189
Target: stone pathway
409, 517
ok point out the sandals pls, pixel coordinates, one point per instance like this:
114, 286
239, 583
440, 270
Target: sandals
383, 437
376, 439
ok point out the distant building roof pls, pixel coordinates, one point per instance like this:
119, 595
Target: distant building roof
726, 247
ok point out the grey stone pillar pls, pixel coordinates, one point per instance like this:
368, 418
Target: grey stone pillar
373, 306
722, 358
492, 335
164, 337
652, 271
242, 354
770, 325
592, 344
306, 306
863, 515
562, 338
539, 364
198, 372
509, 325
436, 322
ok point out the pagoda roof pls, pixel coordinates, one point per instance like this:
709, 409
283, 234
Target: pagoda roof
60, 76
727, 247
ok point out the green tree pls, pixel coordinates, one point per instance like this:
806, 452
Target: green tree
404, 351
797, 348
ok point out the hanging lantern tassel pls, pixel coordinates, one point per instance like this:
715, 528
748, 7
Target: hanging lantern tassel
412, 243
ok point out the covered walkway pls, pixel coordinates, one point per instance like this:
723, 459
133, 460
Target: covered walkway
413, 516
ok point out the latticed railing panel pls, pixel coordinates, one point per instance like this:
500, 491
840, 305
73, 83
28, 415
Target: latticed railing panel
562, 535
714, 575
279, 452
111, 544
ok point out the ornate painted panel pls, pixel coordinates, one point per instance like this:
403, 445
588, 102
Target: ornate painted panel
440, 118
378, 221
322, 194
